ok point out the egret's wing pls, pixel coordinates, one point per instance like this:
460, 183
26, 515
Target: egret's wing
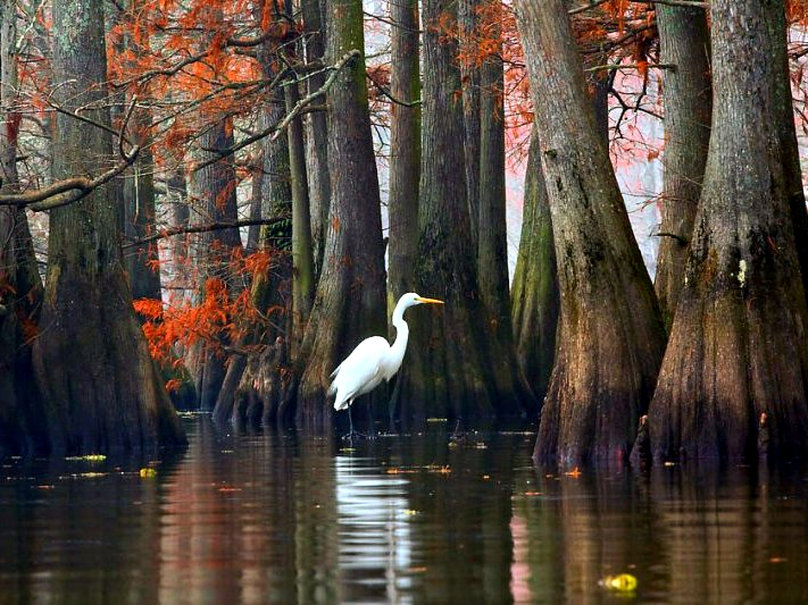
361, 371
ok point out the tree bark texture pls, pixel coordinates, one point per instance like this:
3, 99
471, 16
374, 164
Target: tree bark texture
302, 243
777, 38
738, 343
535, 299
405, 147
251, 389
448, 371
20, 286
212, 191
140, 221
316, 126
468, 22
349, 303
685, 43
100, 387
611, 336
492, 233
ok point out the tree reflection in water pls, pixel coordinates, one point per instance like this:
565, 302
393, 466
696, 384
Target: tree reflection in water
282, 518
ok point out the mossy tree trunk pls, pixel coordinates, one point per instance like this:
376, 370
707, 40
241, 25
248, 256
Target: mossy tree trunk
611, 336
20, 286
738, 343
535, 299
100, 387
448, 371
685, 43
349, 303
405, 147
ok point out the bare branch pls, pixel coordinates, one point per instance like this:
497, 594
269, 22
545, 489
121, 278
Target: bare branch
67, 191
207, 227
681, 3
614, 66
592, 4
349, 56
390, 96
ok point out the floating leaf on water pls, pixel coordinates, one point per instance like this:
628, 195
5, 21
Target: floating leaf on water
668, 463
147, 473
437, 420
574, 473
624, 582
87, 458
410, 512
777, 559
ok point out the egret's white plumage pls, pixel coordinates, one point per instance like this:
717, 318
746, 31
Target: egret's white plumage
374, 359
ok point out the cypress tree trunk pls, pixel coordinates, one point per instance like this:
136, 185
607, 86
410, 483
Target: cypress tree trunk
535, 282
316, 127
738, 344
302, 243
100, 387
611, 336
449, 370
252, 387
140, 221
777, 39
213, 191
405, 147
20, 286
684, 42
141, 260
349, 304
492, 236
468, 21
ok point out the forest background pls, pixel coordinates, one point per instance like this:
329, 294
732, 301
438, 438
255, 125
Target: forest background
191, 207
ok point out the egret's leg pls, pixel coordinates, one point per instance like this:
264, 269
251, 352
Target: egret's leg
350, 419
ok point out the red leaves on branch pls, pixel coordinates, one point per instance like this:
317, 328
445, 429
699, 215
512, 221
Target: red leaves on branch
219, 317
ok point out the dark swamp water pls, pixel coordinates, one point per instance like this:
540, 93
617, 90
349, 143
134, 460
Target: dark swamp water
283, 519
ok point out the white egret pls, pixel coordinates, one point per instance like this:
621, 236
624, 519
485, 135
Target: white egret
373, 359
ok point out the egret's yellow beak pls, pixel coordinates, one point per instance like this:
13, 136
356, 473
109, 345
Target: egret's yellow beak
429, 300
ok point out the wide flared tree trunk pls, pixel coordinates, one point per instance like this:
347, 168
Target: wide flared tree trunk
737, 347
405, 147
611, 336
449, 370
535, 299
685, 43
349, 304
100, 387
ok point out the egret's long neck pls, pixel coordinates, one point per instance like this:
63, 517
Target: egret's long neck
399, 345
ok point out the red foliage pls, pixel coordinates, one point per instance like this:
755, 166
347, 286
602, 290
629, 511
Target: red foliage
221, 316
